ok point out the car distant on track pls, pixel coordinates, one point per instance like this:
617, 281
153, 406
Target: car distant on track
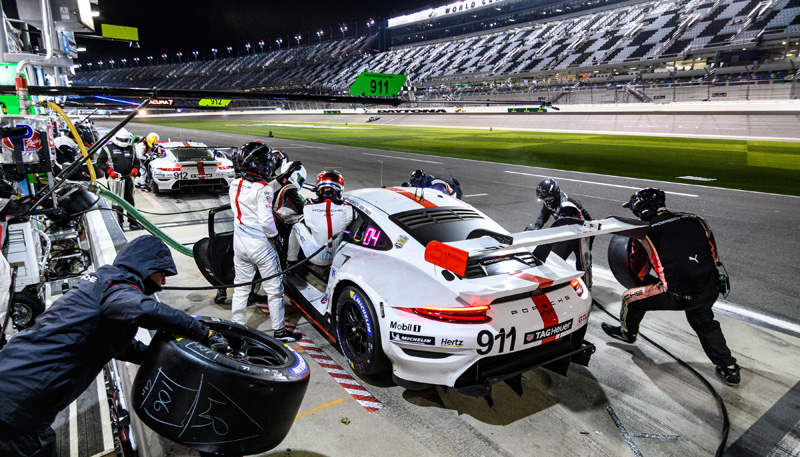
373, 118
189, 165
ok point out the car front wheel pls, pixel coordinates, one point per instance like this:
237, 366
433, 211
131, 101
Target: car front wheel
358, 332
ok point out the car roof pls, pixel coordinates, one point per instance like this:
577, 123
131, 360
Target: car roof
182, 144
393, 200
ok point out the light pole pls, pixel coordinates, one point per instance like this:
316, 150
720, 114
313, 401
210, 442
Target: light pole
195, 53
319, 35
261, 44
111, 62
150, 59
343, 29
89, 64
279, 41
298, 37
100, 64
124, 62
370, 23
247, 47
164, 56
214, 51
136, 61
229, 51
179, 54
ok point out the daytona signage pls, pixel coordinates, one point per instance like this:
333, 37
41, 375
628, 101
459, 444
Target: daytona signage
441, 11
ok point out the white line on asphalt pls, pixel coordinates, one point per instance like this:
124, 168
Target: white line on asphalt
474, 195
307, 146
592, 182
401, 158
73, 429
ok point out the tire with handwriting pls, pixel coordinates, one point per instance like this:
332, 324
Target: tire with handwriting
242, 402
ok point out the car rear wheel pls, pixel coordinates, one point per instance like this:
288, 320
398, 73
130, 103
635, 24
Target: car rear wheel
153, 185
241, 402
358, 332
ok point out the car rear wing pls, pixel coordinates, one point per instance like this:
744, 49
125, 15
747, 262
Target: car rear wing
454, 256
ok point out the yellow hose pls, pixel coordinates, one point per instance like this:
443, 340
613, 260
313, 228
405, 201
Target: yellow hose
77, 137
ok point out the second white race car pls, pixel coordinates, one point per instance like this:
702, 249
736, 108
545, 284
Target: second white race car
184, 165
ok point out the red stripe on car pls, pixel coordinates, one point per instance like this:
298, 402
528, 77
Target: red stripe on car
201, 170
548, 314
417, 198
543, 282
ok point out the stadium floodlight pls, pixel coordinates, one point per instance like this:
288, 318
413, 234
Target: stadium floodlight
261, 44
195, 53
247, 47
319, 35
343, 29
179, 54
298, 37
279, 41
124, 62
150, 59
214, 51
164, 56
136, 61
370, 23
229, 50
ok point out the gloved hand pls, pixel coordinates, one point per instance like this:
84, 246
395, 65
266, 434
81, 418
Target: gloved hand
217, 342
530, 227
112, 174
134, 172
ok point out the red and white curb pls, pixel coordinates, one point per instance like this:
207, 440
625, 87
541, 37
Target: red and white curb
339, 374
348, 383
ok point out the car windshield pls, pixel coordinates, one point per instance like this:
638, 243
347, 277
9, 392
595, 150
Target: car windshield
443, 224
193, 154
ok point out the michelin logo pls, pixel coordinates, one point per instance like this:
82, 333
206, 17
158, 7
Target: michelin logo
413, 339
538, 335
364, 312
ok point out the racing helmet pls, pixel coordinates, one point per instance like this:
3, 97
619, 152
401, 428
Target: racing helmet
645, 203
417, 178
549, 193
330, 184
293, 173
278, 159
151, 139
122, 138
253, 161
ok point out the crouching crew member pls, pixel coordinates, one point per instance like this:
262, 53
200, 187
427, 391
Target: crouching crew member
48, 366
681, 249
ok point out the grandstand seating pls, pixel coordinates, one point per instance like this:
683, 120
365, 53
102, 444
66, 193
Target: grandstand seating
649, 31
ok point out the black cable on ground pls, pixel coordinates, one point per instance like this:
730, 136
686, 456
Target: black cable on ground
725, 422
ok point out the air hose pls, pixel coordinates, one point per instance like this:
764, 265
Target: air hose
149, 226
723, 411
77, 137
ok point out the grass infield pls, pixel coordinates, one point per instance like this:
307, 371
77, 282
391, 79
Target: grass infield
764, 166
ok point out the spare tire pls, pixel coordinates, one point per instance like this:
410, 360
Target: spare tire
626, 264
242, 402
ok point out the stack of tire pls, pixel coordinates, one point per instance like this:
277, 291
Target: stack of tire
242, 402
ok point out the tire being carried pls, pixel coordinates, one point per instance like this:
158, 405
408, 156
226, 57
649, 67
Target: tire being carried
242, 402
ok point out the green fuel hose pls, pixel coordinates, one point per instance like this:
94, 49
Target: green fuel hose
149, 226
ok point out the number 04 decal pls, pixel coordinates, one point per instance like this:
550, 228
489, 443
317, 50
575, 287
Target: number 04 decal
486, 340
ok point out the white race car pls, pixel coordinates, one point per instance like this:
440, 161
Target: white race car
431, 287
189, 164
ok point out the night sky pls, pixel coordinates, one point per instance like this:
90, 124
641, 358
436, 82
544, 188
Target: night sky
170, 26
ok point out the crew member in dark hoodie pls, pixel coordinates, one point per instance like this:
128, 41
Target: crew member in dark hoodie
46, 367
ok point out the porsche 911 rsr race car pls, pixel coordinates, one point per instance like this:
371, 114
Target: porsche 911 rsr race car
431, 287
189, 164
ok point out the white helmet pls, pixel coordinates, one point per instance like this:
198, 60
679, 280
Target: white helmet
123, 138
296, 176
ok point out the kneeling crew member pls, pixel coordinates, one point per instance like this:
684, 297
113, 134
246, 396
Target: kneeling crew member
682, 251
323, 219
47, 367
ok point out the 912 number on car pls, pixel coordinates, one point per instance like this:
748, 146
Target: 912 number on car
486, 340
180, 175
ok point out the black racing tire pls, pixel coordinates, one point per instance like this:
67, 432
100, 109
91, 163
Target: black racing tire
25, 309
154, 186
239, 403
358, 332
624, 266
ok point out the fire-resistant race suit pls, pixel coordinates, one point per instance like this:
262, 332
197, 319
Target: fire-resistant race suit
48, 366
254, 225
682, 251
122, 166
321, 221
568, 207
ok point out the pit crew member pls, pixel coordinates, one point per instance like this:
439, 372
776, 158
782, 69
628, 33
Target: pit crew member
424, 180
322, 219
47, 367
681, 250
123, 165
254, 224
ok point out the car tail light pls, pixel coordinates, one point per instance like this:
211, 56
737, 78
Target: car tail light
461, 315
223, 167
576, 284
175, 168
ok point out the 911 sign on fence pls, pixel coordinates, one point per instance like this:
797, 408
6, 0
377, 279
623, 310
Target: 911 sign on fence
377, 84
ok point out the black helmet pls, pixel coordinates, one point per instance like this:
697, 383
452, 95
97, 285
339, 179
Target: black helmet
253, 161
646, 202
549, 193
417, 178
330, 184
277, 159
